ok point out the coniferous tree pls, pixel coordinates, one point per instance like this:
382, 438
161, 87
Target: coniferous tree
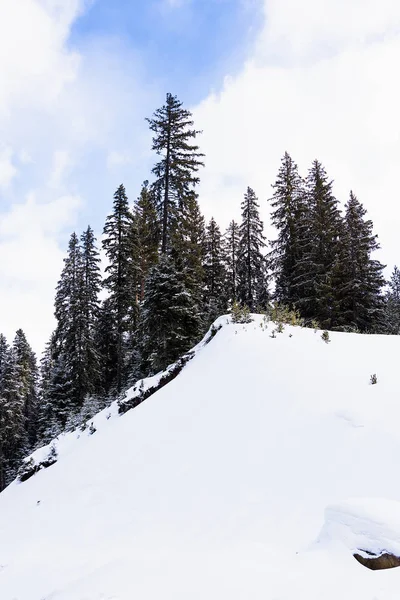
91, 285
169, 319
106, 336
26, 373
176, 171
288, 210
13, 436
215, 273
123, 275
251, 267
359, 278
68, 339
392, 304
232, 239
148, 233
319, 229
188, 246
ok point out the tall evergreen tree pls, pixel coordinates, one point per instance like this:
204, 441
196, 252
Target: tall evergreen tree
188, 246
122, 274
91, 285
215, 273
359, 279
26, 373
68, 341
232, 240
392, 304
13, 436
169, 320
288, 211
180, 160
319, 230
252, 284
148, 233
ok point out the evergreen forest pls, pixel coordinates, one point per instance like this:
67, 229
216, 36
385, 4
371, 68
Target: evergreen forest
169, 274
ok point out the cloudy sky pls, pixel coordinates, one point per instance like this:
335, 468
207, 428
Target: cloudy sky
318, 78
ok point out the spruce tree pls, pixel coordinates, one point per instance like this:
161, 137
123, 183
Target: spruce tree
251, 267
122, 275
288, 211
188, 246
215, 273
169, 320
27, 377
319, 229
90, 310
392, 304
232, 239
148, 233
359, 278
180, 160
106, 336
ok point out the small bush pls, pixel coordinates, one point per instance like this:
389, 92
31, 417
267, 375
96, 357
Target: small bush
273, 334
314, 325
280, 328
373, 379
285, 315
325, 336
240, 314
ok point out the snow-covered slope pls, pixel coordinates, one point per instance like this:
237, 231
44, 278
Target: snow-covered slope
217, 485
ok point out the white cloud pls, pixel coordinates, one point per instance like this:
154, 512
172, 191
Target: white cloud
340, 106
30, 263
7, 169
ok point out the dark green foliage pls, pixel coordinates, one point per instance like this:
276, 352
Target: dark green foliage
252, 287
232, 239
180, 160
325, 336
392, 304
319, 229
215, 297
148, 234
288, 203
121, 245
170, 321
358, 278
373, 379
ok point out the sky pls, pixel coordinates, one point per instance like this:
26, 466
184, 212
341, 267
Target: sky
77, 79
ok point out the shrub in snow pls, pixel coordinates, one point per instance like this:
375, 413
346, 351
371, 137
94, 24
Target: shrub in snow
240, 314
273, 334
373, 379
314, 325
325, 336
92, 429
280, 328
279, 313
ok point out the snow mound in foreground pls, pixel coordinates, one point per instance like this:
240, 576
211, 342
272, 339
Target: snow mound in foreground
371, 525
216, 486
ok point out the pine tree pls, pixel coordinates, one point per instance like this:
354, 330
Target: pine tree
188, 246
252, 285
107, 346
232, 240
90, 310
27, 378
319, 229
148, 233
176, 172
215, 273
70, 313
123, 274
392, 304
169, 320
359, 279
13, 437
288, 210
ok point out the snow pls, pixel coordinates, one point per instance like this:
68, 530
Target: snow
232, 481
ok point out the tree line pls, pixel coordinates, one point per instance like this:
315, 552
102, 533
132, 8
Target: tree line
169, 274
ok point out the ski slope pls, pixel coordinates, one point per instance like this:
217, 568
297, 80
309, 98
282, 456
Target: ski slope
255, 474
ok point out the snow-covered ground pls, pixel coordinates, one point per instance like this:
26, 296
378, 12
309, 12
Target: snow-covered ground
232, 481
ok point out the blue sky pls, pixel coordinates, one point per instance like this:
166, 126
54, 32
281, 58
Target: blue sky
78, 78
186, 45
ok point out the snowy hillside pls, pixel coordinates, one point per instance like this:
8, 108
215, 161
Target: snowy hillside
255, 474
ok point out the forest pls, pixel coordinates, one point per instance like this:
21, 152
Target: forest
170, 274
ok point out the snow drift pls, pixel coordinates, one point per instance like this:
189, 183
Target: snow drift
216, 486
